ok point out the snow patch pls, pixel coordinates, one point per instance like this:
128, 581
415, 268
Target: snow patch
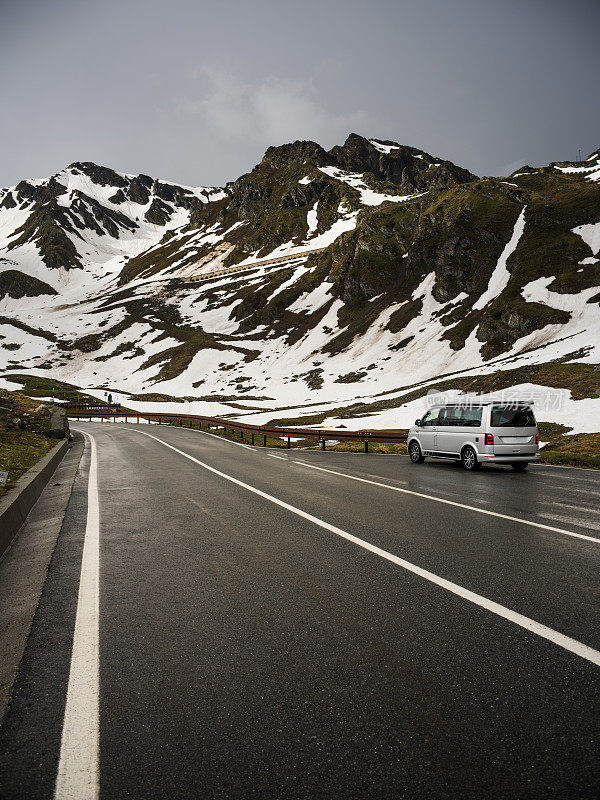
383, 148
501, 275
311, 220
368, 197
591, 173
590, 235
311, 301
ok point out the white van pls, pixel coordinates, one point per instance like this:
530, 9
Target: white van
475, 433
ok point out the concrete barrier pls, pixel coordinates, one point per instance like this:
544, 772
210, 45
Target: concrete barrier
16, 504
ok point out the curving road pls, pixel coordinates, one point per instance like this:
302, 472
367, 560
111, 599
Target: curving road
298, 624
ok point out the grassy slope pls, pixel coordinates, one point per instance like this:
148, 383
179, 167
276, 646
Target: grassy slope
21, 448
580, 450
36, 386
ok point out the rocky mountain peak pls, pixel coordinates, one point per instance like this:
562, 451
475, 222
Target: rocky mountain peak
411, 169
103, 176
298, 152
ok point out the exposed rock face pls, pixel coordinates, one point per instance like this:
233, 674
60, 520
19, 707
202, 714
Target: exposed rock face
103, 176
177, 195
139, 189
299, 152
503, 326
16, 284
8, 201
58, 425
25, 191
46, 226
158, 213
117, 197
410, 169
303, 195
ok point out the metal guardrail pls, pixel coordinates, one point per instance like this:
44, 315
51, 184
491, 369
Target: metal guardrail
322, 435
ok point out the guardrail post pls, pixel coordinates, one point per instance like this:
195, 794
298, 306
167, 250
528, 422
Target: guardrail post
323, 444
138, 420
252, 438
366, 446
264, 439
241, 436
288, 443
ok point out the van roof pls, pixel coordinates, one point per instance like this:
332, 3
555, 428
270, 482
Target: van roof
472, 403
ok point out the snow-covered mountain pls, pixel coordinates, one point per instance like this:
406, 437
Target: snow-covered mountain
332, 283
85, 221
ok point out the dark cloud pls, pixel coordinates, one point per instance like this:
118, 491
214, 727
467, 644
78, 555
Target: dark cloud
195, 91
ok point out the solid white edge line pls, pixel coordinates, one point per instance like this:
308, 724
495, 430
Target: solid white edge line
78, 768
452, 503
543, 631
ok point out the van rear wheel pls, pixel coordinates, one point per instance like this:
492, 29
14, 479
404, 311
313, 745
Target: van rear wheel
520, 466
414, 451
468, 459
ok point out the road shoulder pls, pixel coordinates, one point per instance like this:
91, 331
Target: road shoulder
24, 566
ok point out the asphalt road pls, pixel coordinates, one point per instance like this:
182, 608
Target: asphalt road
268, 629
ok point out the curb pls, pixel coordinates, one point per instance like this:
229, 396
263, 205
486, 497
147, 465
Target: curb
17, 504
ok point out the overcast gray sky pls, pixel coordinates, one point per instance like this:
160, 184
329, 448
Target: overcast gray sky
195, 91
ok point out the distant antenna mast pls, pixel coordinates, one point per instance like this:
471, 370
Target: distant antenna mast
580, 155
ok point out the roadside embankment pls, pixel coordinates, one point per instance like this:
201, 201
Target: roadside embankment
17, 504
28, 430
29, 454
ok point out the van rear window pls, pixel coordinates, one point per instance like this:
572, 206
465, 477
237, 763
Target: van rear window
512, 417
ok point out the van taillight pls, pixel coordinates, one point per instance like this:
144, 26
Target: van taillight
537, 438
489, 439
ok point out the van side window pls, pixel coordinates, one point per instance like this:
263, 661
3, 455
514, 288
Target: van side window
471, 417
430, 418
448, 417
